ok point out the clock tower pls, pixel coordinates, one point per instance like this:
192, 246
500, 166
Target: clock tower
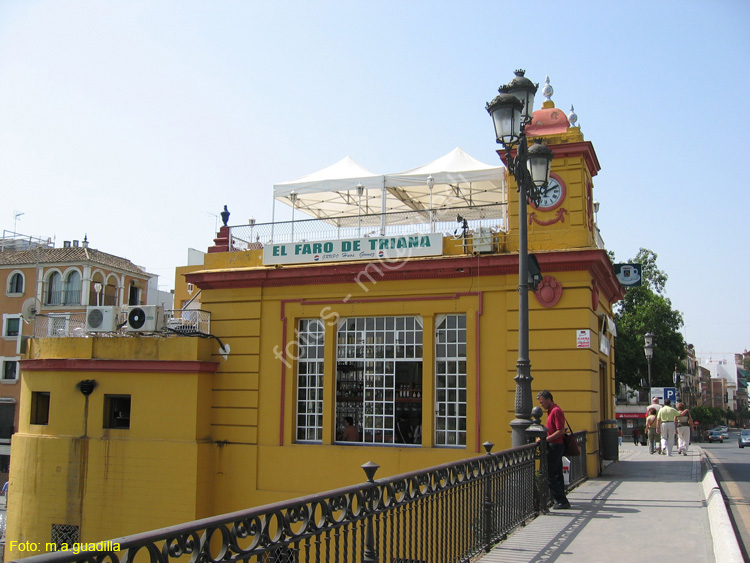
565, 216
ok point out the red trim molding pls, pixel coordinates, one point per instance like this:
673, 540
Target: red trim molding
582, 148
159, 366
596, 261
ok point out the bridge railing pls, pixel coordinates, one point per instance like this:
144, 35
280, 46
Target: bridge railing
451, 513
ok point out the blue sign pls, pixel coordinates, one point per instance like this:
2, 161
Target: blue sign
670, 393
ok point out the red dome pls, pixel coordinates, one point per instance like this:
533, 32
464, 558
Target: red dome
547, 121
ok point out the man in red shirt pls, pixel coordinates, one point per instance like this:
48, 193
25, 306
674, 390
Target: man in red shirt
555, 433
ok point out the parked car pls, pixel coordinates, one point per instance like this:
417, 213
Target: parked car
744, 438
715, 436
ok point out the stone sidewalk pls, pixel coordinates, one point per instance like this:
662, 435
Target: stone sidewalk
643, 507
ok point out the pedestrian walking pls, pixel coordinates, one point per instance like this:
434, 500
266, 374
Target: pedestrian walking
666, 418
653, 443
684, 424
555, 433
636, 435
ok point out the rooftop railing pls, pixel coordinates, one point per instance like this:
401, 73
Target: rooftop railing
443, 220
189, 322
449, 513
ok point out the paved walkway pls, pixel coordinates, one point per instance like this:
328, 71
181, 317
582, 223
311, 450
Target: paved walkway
643, 508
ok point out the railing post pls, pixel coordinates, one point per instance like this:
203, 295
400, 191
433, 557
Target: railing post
487, 504
537, 432
370, 554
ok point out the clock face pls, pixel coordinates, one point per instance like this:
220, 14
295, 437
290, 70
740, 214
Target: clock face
553, 195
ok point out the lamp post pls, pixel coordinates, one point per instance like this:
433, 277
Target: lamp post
530, 166
648, 349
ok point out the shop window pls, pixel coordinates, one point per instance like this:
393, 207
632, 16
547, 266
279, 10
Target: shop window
379, 379
40, 407
450, 381
15, 283
11, 325
310, 349
117, 411
9, 370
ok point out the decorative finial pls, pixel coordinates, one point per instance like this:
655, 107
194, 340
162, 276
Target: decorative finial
572, 117
225, 216
547, 91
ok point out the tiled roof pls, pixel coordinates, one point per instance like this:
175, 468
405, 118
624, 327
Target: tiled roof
68, 255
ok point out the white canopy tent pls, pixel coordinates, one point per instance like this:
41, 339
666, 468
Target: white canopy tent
347, 189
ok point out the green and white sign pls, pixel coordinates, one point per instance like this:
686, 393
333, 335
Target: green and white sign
341, 250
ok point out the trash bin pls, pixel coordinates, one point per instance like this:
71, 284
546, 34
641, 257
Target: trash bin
608, 440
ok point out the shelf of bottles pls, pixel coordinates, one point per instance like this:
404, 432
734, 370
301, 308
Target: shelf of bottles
373, 377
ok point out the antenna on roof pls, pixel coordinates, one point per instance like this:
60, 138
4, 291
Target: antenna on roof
16, 215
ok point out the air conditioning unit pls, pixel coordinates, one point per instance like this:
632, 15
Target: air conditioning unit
102, 319
484, 241
145, 318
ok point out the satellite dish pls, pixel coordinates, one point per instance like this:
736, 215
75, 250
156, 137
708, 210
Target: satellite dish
30, 309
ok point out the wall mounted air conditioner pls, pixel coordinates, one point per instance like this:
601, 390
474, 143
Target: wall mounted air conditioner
102, 319
145, 318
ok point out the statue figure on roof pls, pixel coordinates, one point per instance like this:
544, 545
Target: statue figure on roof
225, 216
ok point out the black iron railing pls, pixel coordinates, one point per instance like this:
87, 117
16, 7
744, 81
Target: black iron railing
447, 513
578, 473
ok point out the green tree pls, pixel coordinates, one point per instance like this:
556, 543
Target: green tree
646, 309
707, 417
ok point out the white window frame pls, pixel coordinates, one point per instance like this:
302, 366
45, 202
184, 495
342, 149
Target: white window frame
76, 293
372, 346
10, 293
310, 364
51, 297
6, 318
6, 360
450, 380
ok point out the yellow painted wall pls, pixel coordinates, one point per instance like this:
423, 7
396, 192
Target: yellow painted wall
112, 482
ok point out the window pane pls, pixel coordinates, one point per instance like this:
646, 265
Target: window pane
379, 402
311, 343
12, 326
450, 381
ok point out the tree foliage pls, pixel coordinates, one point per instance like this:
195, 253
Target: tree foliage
708, 417
646, 309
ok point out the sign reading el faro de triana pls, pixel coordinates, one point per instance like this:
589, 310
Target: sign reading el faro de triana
340, 250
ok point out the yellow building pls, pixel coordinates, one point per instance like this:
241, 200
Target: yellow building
411, 334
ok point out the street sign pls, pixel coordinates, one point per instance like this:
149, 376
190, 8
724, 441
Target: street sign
670, 393
629, 275
658, 392
663, 393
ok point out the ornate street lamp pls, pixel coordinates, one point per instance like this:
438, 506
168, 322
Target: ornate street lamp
648, 349
510, 112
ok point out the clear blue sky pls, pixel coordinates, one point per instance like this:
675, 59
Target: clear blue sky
134, 122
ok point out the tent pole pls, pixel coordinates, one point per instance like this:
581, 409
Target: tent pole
273, 217
382, 210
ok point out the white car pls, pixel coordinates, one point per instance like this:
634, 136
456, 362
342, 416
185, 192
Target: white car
723, 430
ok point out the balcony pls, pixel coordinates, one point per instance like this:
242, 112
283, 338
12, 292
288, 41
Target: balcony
191, 322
